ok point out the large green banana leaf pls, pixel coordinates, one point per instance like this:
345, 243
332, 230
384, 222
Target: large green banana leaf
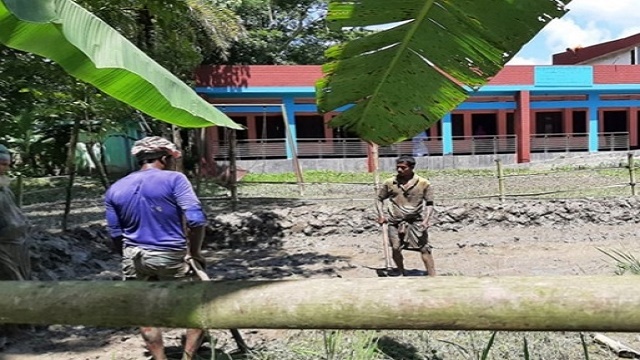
404, 79
92, 51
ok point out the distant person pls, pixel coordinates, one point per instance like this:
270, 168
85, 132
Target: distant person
420, 145
408, 214
15, 263
145, 212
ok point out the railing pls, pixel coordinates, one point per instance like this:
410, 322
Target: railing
428, 146
332, 148
462, 145
612, 141
252, 149
559, 142
484, 144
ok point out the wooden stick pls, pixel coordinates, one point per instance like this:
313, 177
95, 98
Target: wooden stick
617, 347
632, 174
242, 346
385, 246
500, 179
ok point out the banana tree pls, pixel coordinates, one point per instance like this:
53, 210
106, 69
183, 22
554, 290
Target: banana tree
92, 51
405, 78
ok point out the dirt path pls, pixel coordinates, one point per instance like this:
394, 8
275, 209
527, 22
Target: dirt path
496, 251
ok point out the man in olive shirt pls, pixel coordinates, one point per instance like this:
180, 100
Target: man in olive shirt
410, 207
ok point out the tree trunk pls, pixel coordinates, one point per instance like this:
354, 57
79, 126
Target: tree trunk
233, 168
177, 139
102, 174
561, 303
71, 170
199, 142
145, 36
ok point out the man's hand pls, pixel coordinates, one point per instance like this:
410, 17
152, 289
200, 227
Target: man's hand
382, 220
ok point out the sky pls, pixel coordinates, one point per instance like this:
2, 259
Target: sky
588, 22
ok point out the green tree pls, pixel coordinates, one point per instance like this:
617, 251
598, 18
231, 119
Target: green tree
176, 36
179, 34
282, 32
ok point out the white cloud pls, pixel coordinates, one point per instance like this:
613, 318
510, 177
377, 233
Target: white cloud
519, 60
563, 33
620, 12
588, 22
630, 31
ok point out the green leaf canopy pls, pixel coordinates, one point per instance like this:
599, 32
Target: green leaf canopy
92, 51
404, 79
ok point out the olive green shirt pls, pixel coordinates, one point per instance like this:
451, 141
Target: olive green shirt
407, 201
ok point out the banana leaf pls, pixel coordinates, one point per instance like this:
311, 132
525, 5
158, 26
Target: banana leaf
92, 51
403, 79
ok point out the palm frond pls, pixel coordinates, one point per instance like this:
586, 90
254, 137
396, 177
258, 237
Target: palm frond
403, 79
92, 51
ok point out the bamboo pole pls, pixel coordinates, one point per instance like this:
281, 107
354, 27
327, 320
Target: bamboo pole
500, 179
233, 181
553, 303
632, 174
375, 161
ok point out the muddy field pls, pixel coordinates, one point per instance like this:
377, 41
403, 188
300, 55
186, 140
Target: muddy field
292, 239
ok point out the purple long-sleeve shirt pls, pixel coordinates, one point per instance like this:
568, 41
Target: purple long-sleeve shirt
146, 208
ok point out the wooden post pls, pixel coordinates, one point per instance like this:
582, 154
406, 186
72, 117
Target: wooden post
19, 190
233, 183
500, 179
71, 169
632, 174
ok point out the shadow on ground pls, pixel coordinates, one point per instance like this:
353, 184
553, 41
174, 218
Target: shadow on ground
398, 351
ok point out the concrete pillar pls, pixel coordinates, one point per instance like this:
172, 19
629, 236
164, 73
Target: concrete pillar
502, 122
632, 126
468, 124
567, 118
523, 126
433, 130
447, 135
328, 131
593, 116
252, 129
290, 118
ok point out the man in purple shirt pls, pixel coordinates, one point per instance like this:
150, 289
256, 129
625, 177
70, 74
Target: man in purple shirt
146, 214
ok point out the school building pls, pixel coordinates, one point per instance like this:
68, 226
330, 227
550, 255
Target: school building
587, 101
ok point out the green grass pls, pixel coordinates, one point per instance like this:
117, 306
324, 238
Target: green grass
624, 262
430, 345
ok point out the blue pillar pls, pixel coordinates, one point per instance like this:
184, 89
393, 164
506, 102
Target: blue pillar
593, 104
291, 123
447, 135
